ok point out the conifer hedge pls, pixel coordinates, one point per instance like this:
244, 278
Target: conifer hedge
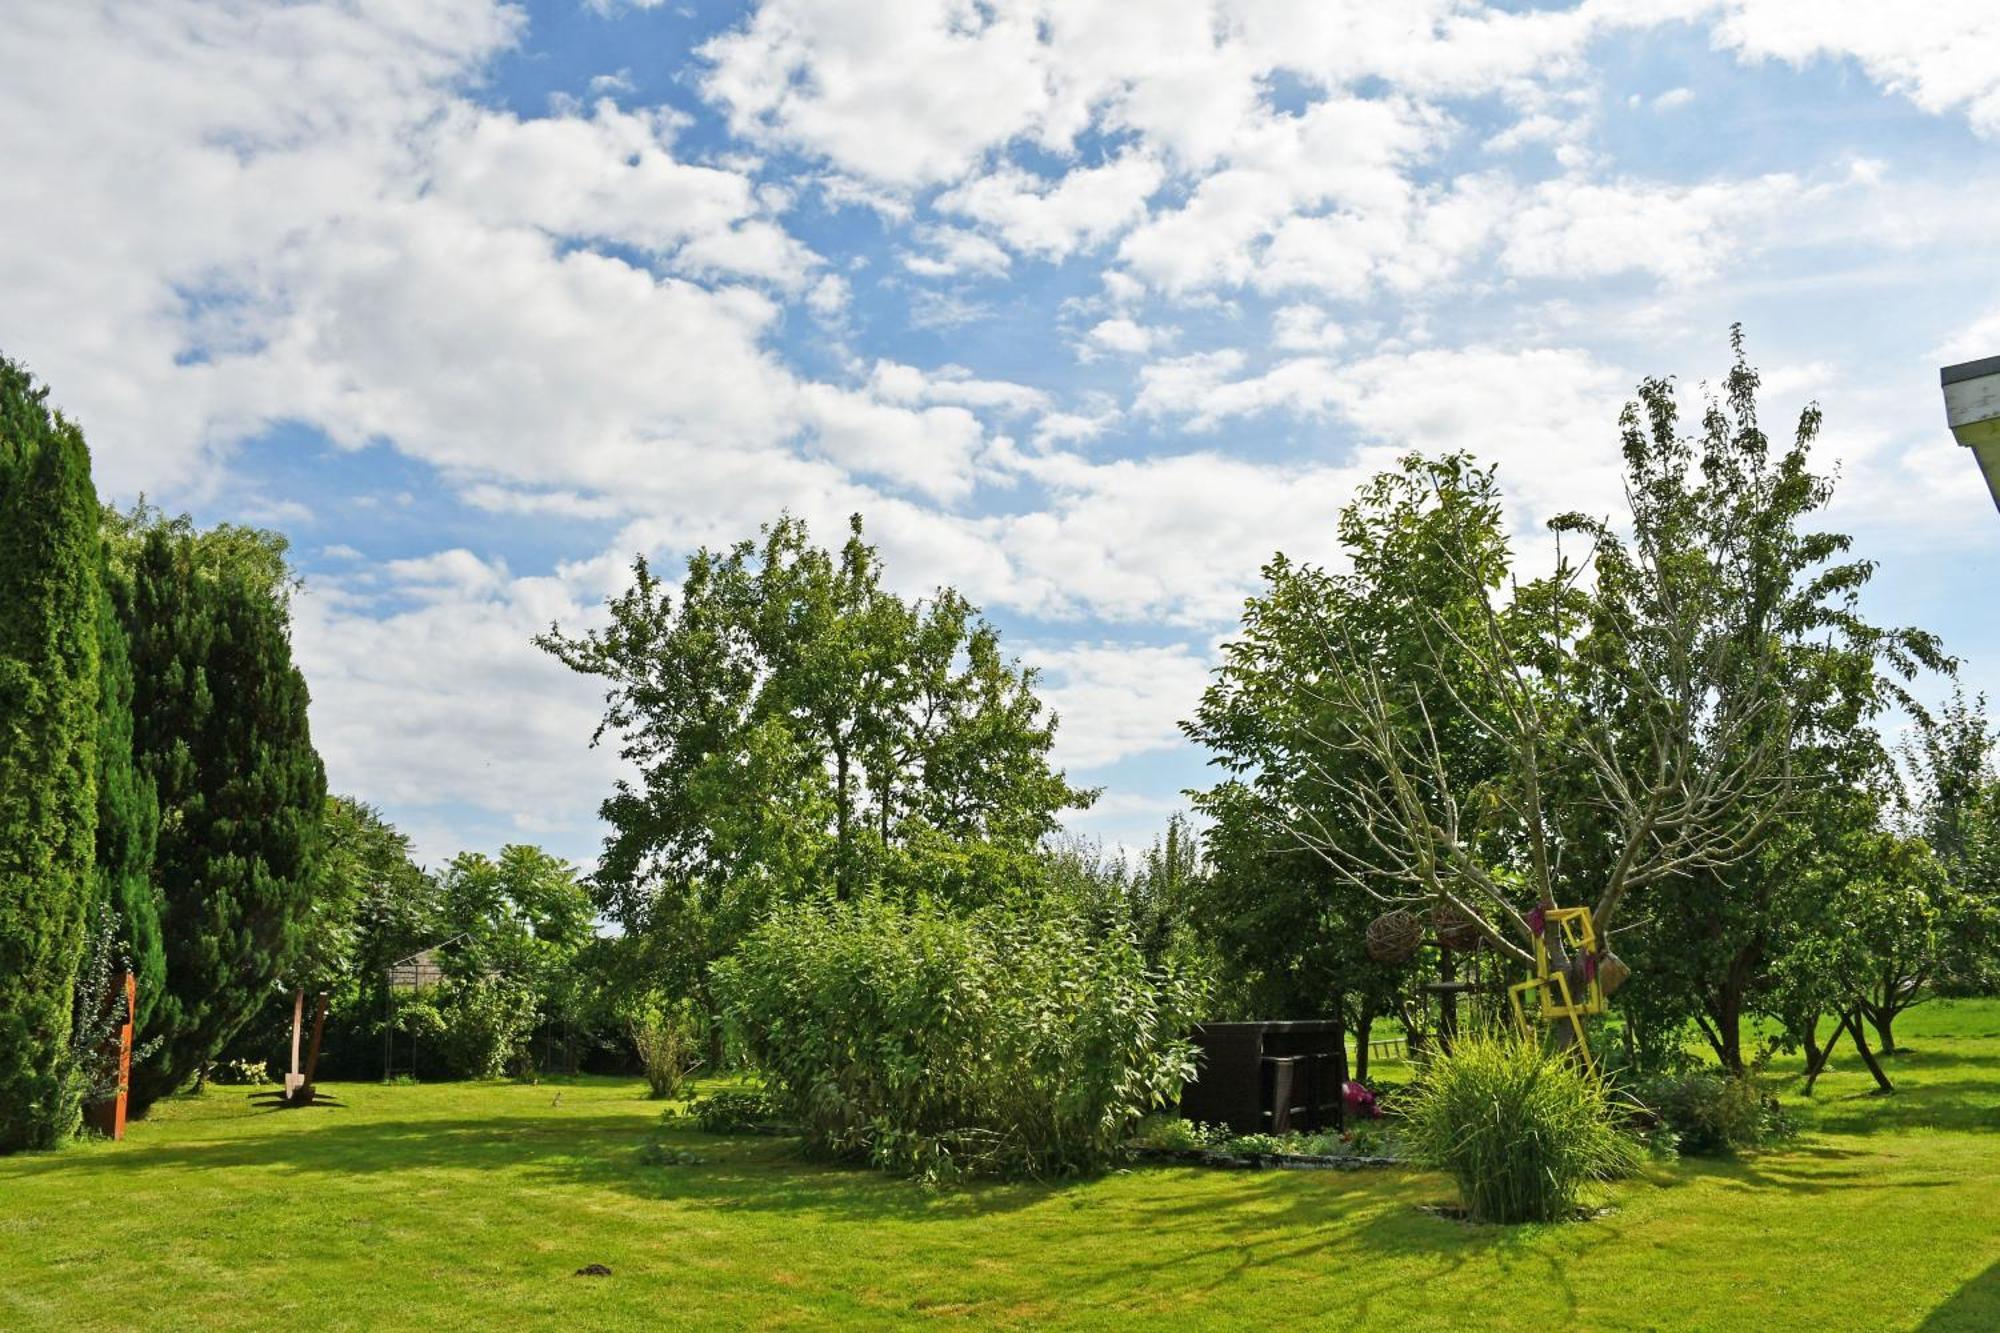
49, 683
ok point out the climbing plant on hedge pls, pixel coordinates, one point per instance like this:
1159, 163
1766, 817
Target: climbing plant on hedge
128, 810
48, 750
220, 728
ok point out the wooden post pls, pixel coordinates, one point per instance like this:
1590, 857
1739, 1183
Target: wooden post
108, 1116
312, 1059
294, 1078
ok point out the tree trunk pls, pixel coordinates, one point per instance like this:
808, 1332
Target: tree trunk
840, 849
1884, 1020
1856, 1029
1448, 1000
1723, 1027
1362, 1027
1818, 1057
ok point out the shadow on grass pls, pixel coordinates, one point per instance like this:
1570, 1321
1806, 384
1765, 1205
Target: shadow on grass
1965, 1104
580, 1147
1975, 1306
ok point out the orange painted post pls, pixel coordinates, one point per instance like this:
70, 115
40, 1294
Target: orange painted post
108, 1116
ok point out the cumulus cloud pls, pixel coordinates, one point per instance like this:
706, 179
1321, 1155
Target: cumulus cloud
1284, 239
1942, 58
1117, 701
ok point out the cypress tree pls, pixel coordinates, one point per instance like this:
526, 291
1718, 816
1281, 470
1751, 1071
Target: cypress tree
219, 726
49, 598
128, 813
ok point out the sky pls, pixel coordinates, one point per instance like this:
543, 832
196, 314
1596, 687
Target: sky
1087, 306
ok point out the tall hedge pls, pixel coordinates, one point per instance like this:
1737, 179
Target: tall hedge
49, 599
128, 812
220, 728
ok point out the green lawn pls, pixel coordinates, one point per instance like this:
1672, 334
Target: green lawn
470, 1205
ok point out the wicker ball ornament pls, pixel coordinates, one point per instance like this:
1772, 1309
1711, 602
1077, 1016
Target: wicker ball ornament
1612, 972
1454, 929
1395, 936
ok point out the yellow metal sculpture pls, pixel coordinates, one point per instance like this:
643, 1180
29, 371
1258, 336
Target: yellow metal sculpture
1555, 1002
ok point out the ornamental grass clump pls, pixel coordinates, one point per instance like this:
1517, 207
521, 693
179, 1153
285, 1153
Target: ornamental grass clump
1520, 1128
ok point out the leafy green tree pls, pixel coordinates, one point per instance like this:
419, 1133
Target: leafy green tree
519, 925
1648, 703
372, 906
1728, 515
799, 728
220, 728
1423, 544
1953, 801
128, 812
49, 734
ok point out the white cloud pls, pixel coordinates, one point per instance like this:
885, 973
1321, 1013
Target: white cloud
1117, 701
953, 251
1305, 328
428, 695
1943, 56
1127, 336
897, 383
1573, 228
1054, 219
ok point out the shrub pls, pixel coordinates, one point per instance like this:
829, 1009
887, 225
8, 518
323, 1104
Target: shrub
1520, 1128
733, 1112
669, 1046
240, 1073
1007, 1042
1709, 1111
485, 1026
1174, 1134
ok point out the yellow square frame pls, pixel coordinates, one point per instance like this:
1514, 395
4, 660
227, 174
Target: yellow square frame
1554, 1001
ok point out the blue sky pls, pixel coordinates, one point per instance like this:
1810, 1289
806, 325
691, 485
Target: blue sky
1088, 307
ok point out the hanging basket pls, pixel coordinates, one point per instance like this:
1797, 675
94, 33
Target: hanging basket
1394, 937
1454, 929
1611, 973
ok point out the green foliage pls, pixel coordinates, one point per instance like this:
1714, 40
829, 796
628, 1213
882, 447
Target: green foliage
475, 1026
1953, 799
1711, 1111
372, 906
1520, 1128
1173, 1134
1423, 545
733, 1111
50, 679
99, 1013
1007, 1042
128, 810
797, 727
669, 1040
220, 729
240, 1073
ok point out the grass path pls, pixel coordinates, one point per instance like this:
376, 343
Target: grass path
470, 1206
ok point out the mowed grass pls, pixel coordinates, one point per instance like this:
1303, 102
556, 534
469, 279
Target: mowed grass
471, 1206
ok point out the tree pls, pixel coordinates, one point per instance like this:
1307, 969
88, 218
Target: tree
798, 728
49, 683
371, 906
1952, 800
1422, 544
220, 728
518, 926
1646, 703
